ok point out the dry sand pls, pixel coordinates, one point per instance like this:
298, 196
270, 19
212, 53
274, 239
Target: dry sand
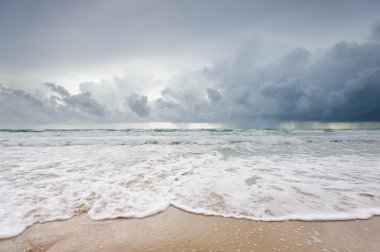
176, 230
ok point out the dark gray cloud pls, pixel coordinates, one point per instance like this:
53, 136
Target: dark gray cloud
252, 62
59, 89
213, 95
138, 104
340, 83
375, 31
80, 105
19, 107
361, 96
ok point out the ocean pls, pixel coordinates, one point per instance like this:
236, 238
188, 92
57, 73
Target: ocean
265, 175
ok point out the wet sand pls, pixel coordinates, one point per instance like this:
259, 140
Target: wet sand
176, 230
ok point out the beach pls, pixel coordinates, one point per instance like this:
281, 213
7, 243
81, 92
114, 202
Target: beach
189, 190
177, 230
186, 126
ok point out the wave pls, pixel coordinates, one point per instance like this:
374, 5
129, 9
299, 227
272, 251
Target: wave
20, 130
253, 174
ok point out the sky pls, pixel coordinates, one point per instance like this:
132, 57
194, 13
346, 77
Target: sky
241, 63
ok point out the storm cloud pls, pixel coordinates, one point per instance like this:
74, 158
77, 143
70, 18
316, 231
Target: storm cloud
56, 106
138, 104
230, 63
340, 83
375, 33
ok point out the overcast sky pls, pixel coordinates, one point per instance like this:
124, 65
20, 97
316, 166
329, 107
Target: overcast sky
243, 63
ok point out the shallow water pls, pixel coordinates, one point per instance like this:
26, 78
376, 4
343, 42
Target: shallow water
255, 174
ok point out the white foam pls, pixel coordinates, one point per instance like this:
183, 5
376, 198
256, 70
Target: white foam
253, 174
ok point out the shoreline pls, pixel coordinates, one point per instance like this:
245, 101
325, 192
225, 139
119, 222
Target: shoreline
178, 230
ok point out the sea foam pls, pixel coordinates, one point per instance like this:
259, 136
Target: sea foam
267, 175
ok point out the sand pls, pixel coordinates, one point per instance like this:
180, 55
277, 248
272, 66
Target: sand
176, 230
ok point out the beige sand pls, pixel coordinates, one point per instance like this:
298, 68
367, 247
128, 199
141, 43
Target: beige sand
176, 230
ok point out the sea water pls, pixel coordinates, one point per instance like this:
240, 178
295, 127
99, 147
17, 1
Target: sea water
267, 175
